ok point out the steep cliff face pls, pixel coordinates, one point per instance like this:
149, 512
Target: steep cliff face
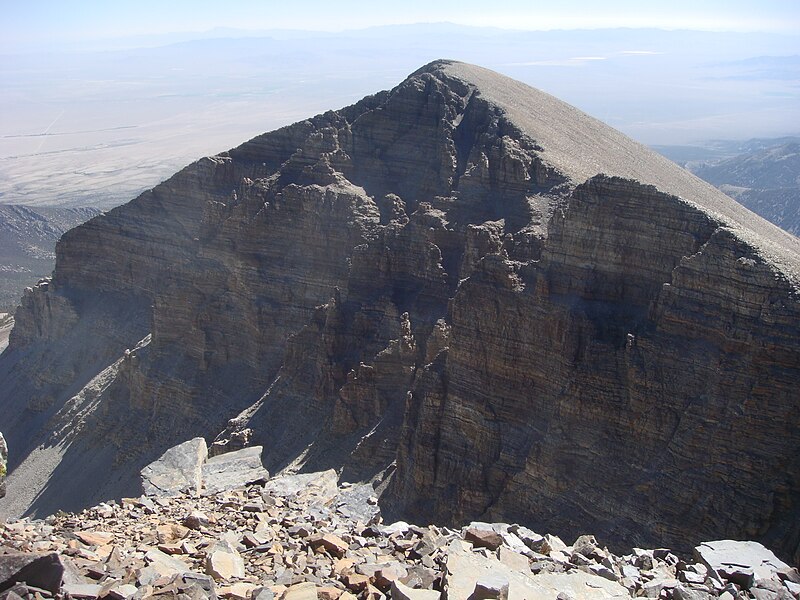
527, 314
622, 392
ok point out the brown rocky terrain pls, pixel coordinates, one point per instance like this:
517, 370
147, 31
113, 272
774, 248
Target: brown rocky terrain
490, 304
305, 537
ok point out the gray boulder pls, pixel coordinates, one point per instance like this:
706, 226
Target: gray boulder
187, 468
232, 470
321, 486
358, 502
45, 571
681, 592
739, 562
179, 469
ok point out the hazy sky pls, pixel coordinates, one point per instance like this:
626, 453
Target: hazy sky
46, 21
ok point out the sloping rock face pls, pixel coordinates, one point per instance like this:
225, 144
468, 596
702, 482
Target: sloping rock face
530, 316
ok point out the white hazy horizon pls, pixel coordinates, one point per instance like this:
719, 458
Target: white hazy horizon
100, 123
62, 20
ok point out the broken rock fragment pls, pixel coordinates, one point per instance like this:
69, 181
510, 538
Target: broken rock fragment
44, 571
483, 535
223, 561
403, 592
95, 538
179, 469
333, 544
739, 562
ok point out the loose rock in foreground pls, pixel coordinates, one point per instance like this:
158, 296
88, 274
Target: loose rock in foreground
302, 537
3, 465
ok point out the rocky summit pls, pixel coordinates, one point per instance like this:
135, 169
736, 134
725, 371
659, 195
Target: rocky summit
304, 537
487, 303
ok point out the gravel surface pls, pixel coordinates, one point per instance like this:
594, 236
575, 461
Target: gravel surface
26, 481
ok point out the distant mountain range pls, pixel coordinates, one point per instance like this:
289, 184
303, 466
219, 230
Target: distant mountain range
762, 174
771, 167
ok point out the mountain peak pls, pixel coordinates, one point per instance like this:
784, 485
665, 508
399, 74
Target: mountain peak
580, 146
462, 289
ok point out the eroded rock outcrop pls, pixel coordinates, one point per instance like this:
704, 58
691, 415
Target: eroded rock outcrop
526, 314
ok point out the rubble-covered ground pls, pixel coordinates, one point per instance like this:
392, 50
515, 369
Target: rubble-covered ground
304, 536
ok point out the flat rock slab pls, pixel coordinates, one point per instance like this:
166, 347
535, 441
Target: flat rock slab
740, 562
580, 585
95, 538
86, 591
179, 469
232, 470
122, 591
237, 591
466, 570
301, 591
403, 592
164, 564
323, 485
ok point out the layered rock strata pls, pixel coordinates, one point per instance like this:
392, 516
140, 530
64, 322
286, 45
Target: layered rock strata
495, 304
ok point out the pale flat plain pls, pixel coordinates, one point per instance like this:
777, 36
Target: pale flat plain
93, 126
89, 133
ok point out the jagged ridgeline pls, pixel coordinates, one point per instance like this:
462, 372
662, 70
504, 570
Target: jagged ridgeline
497, 306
